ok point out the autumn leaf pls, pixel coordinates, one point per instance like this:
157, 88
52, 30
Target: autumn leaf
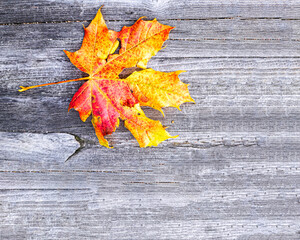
107, 97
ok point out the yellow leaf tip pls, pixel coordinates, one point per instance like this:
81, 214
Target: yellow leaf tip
141, 18
22, 89
100, 8
180, 71
178, 108
164, 47
105, 144
161, 111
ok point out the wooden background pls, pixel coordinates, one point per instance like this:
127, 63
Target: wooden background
234, 172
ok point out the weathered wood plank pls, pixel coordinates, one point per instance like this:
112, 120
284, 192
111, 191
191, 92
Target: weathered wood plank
235, 95
28, 146
147, 229
51, 115
233, 173
190, 149
202, 191
16, 11
214, 38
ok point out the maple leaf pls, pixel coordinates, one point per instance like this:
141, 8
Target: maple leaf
107, 97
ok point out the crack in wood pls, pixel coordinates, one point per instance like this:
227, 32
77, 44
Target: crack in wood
81, 146
161, 19
74, 171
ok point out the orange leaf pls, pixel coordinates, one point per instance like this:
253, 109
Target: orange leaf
107, 97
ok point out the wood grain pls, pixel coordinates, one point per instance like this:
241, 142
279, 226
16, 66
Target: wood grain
22, 11
234, 170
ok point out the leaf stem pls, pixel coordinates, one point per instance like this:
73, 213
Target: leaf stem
47, 84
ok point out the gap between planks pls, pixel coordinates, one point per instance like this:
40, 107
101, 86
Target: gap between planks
171, 19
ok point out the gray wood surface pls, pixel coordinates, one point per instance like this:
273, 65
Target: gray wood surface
234, 172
